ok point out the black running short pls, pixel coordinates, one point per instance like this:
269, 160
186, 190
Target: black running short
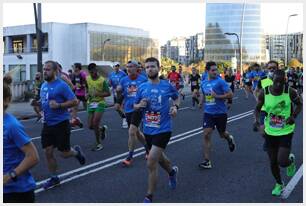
195, 87
215, 120
134, 118
81, 98
159, 140
278, 141
57, 136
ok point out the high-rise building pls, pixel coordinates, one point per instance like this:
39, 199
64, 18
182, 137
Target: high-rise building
276, 45
224, 18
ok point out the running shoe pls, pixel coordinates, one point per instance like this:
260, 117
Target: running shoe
52, 182
278, 189
127, 162
173, 178
231, 143
103, 132
147, 200
80, 156
206, 164
97, 147
124, 123
291, 168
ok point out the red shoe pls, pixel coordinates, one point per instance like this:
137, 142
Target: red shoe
127, 162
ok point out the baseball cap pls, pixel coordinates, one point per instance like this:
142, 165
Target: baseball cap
132, 63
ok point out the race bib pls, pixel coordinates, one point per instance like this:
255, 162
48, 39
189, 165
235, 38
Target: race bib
93, 105
209, 99
229, 83
152, 119
277, 122
247, 80
194, 83
290, 83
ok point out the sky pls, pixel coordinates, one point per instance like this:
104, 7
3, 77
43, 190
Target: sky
163, 20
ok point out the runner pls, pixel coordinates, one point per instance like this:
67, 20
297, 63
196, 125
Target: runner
279, 125
153, 97
19, 156
78, 80
194, 81
264, 82
36, 104
215, 91
174, 78
247, 83
256, 75
56, 97
292, 78
114, 79
126, 93
97, 90
230, 80
181, 82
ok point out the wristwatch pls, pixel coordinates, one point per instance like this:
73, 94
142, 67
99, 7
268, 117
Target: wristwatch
13, 175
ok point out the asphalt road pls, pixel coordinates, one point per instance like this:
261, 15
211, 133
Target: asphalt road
238, 177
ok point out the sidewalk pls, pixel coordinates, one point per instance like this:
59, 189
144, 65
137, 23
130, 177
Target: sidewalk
23, 110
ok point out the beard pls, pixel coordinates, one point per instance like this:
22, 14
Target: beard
153, 76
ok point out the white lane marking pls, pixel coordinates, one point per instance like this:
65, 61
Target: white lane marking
292, 183
173, 140
80, 129
235, 98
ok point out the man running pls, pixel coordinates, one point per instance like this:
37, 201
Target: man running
194, 81
114, 79
215, 92
56, 97
230, 80
264, 82
78, 80
98, 89
174, 78
256, 75
181, 81
36, 104
292, 78
126, 93
247, 83
279, 125
153, 97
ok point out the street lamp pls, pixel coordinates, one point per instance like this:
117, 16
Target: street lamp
240, 59
286, 40
103, 45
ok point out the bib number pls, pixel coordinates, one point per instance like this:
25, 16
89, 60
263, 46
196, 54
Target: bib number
209, 100
93, 105
152, 119
277, 122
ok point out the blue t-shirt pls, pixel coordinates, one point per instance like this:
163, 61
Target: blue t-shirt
115, 78
212, 105
14, 138
129, 88
59, 91
204, 76
156, 117
256, 76
143, 73
247, 78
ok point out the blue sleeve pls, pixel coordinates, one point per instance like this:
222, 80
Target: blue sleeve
18, 135
67, 92
224, 86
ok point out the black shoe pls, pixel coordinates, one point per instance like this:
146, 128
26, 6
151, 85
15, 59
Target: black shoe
206, 164
231, 143
80, 156
255, 127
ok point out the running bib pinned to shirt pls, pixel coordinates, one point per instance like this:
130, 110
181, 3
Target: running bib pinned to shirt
152, 119
277, 122
93, 105
209, 99
194, 83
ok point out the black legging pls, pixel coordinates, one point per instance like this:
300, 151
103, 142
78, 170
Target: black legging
279, 156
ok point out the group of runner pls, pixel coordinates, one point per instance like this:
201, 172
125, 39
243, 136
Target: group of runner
147, 103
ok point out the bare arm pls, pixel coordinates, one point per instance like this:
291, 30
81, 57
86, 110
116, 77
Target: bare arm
30, 160
259, 105
296, 99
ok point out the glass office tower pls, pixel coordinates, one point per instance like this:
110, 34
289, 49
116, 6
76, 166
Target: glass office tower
226, 18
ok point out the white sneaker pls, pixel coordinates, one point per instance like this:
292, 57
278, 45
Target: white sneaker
124, 123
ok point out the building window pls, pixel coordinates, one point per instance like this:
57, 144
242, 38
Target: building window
18, 72
18, 45
33, 70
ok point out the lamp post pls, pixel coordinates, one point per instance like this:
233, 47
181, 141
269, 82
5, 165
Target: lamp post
240, 57
286, 40
103, 45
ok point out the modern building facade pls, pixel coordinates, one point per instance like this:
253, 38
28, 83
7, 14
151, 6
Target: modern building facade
69, 43
224, 18
276, 45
